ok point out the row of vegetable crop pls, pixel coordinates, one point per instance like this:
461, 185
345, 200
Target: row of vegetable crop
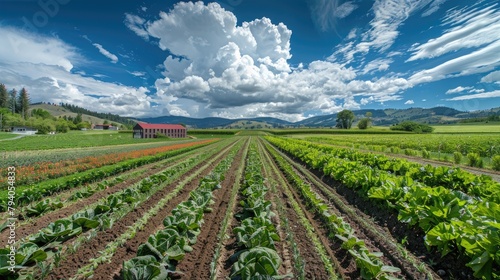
24, 195
106, 255
98, 217
472, 159
256, 235
157, 258
37, 172
47, 205
369, 263
280, 189
481, 186
39, 158
452, 220
486, 144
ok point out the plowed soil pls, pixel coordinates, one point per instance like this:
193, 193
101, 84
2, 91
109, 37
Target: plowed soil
70, 266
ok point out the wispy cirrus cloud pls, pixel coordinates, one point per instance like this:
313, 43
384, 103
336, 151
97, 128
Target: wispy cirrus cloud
458, 89
493, 77
482, 60
480, 28
106, 53
325, 13
490, 94
434, 7
136, 24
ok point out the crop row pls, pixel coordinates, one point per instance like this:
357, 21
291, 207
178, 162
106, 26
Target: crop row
23, 158
157, 258
451, 220
129, 232
369, 263
24, 195
453, 178
486, 145
99, 217
40, 171
281, 188
256, 235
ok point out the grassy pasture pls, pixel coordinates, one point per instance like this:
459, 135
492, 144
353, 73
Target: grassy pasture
468, 128
6, 135
75, 139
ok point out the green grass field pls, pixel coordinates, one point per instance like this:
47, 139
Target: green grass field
74, 139
6, 135
468, 128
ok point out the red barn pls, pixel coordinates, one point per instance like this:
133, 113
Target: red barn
149, 130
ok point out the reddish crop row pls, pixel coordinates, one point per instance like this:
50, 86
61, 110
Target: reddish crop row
48, 170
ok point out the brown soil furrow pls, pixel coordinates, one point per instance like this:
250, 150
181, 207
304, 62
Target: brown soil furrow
314, 266
386, 222
111, 270
372, 240
41, 222
204, 249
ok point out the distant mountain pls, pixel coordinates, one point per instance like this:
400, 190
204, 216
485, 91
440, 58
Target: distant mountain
213, 121
436, 115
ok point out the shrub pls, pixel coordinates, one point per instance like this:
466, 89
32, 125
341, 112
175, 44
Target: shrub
475, 160
457, 157
495, 161
364, 123
413, 127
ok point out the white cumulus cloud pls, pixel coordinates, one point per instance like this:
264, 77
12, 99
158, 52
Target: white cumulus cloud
44, 64
220, 68
409, 102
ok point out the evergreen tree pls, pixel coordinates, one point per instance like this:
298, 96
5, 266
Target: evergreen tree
4, 97
13, 101
24, 103
78, 119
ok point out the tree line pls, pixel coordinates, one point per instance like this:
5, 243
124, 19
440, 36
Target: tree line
15, 111
107, 116
16, 103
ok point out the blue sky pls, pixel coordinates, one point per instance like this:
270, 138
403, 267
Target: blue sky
247, 58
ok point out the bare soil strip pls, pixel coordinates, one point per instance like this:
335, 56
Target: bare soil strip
196, 264
41, 222
69, 267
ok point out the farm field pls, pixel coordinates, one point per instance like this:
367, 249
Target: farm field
252, 204
74, 139
445, 147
